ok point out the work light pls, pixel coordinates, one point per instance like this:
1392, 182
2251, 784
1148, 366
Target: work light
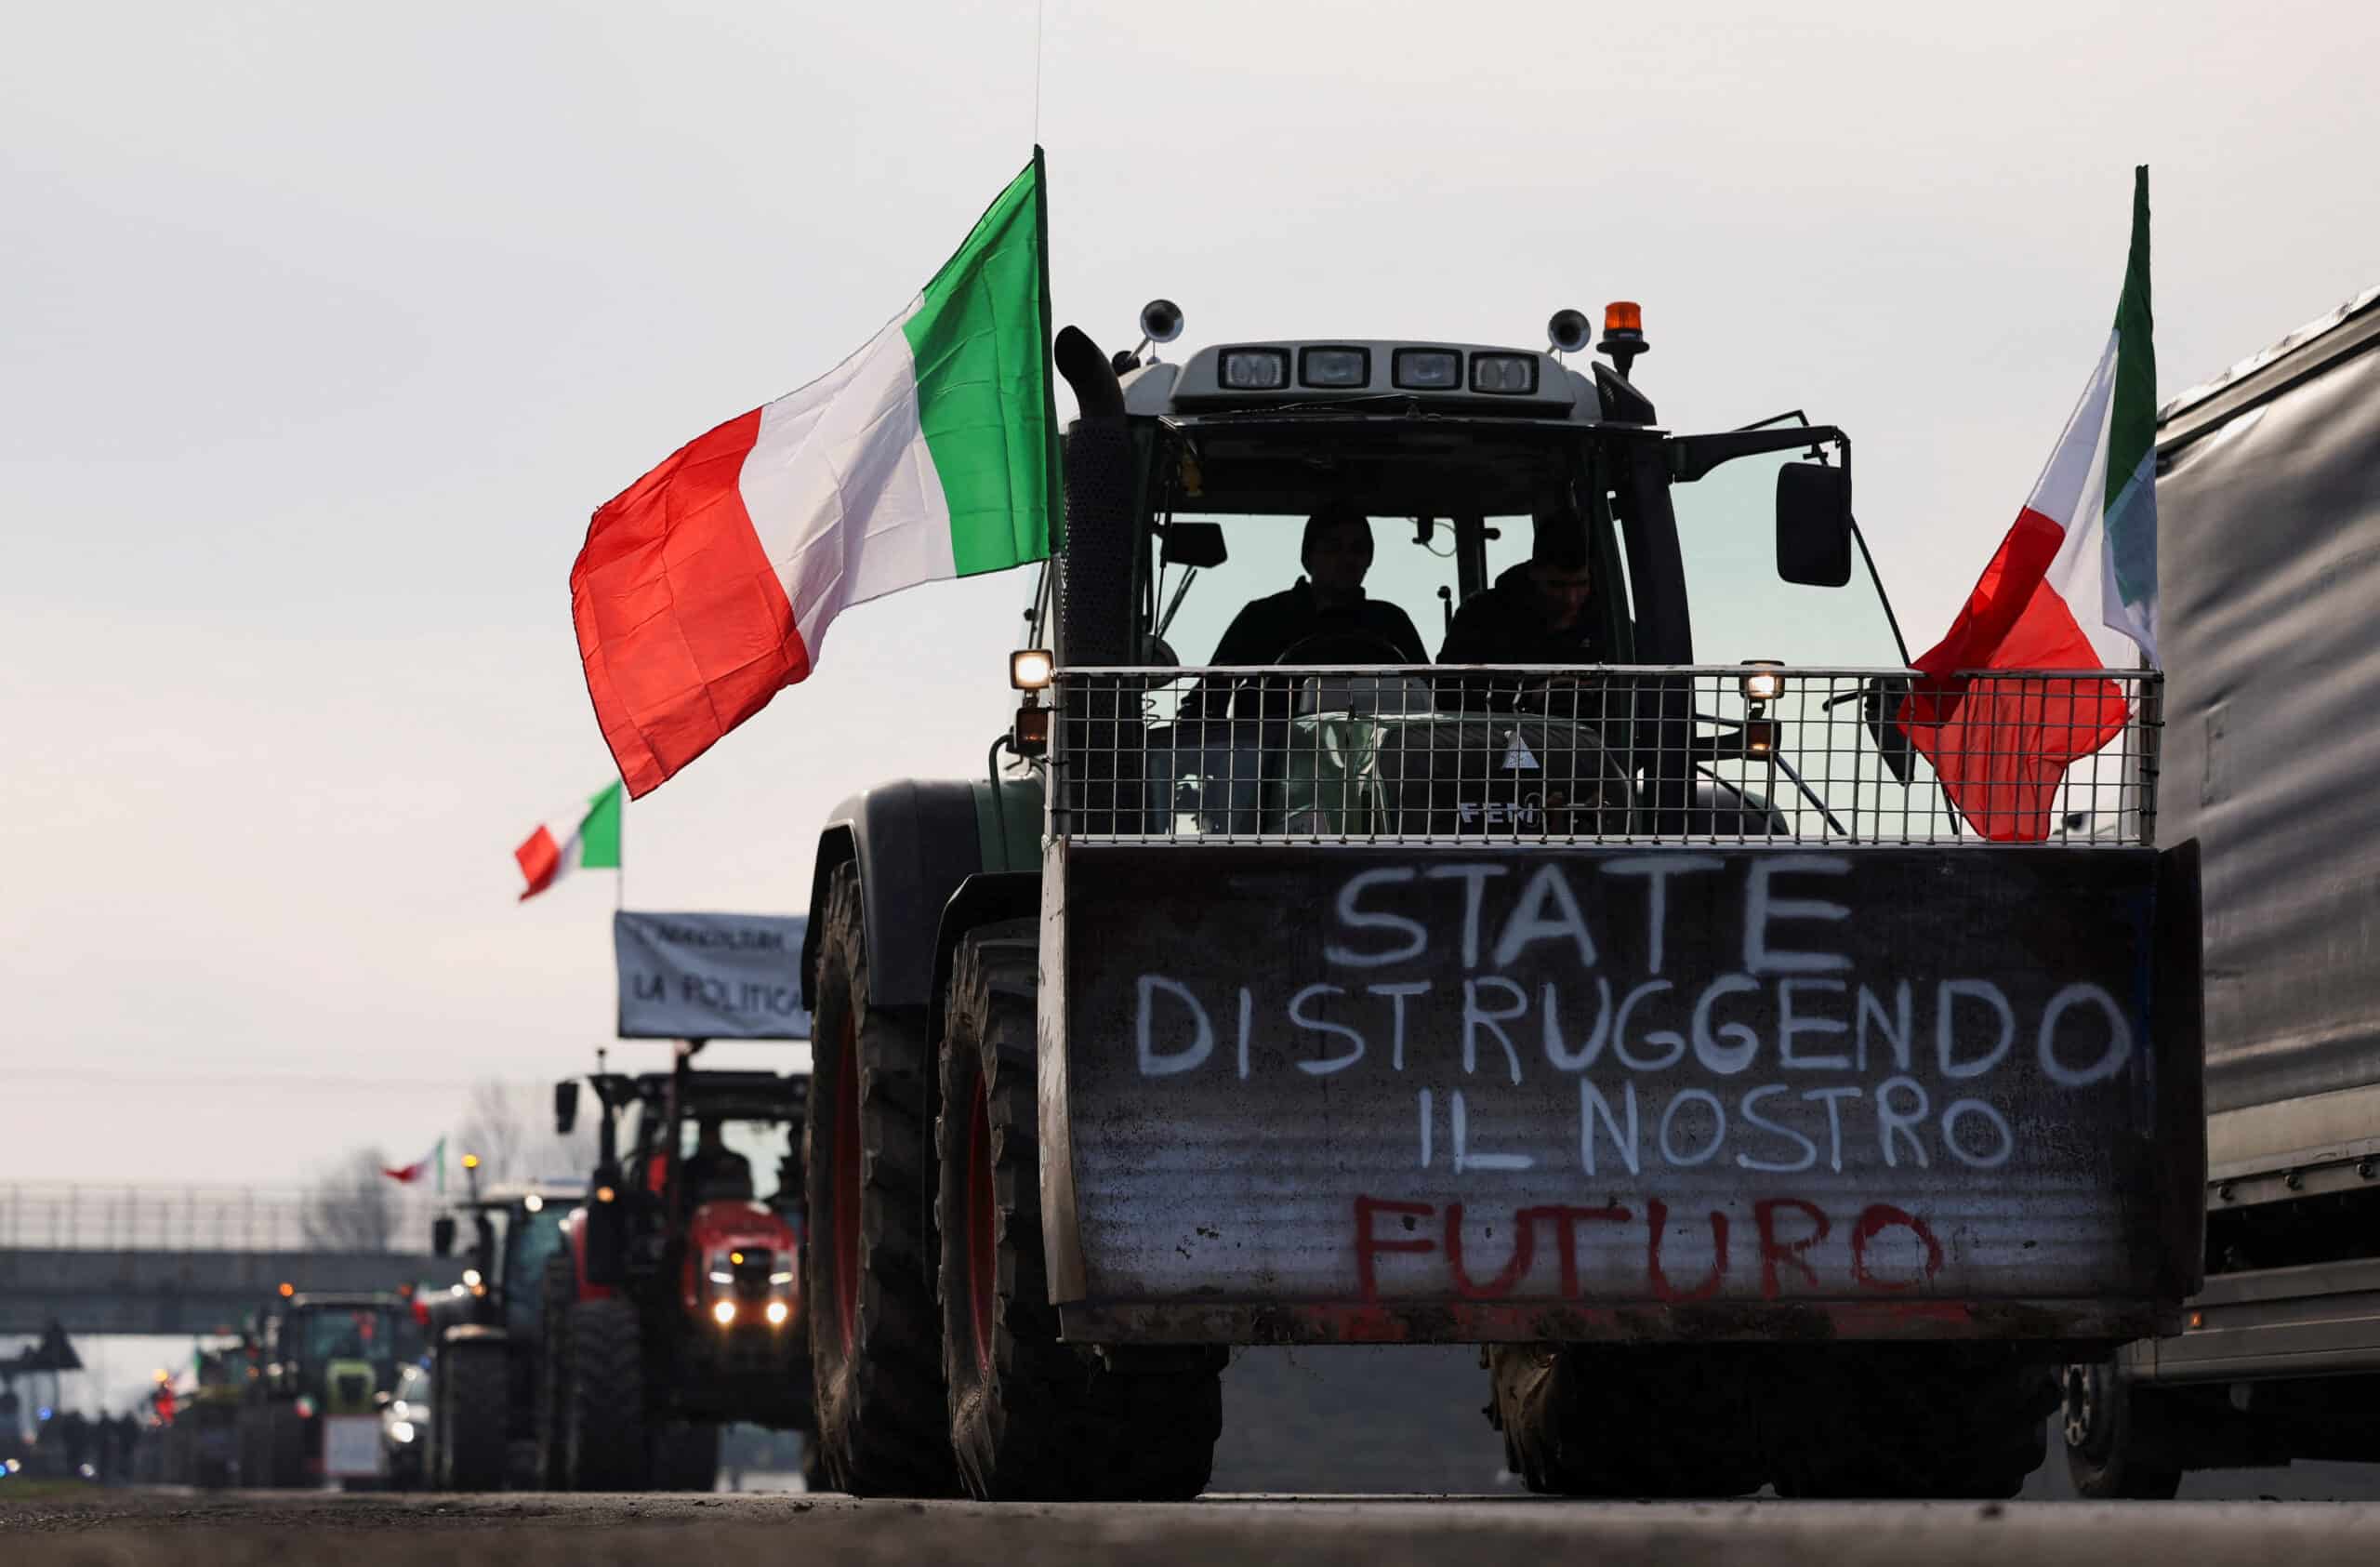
1336, 367
1029, 669
1254, 369
1505, 375
1425, 369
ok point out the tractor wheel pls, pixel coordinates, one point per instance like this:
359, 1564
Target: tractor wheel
1580, 1421
1030, 1417
1919, 1421
685, 1456
606, 1414
551, 1388
2112, 1430
471, 1393
882, 1426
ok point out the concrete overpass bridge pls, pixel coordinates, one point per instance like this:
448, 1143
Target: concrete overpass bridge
190, 1259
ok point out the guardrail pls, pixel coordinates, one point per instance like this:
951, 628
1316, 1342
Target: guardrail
90, 1217
1714, 754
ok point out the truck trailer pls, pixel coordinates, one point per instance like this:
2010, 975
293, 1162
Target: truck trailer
2269, 510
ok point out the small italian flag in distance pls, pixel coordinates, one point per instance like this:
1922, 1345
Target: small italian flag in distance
587, 841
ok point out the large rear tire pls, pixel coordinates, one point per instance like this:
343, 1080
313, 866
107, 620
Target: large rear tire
1922, 1421
607, 1441
2113, 1448
471, 1393
1582, 1421
882, 1424
1032, 1418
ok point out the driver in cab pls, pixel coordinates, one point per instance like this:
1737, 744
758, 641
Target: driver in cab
1323, 617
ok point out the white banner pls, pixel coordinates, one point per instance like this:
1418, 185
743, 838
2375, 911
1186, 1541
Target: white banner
352, 1446
709, 975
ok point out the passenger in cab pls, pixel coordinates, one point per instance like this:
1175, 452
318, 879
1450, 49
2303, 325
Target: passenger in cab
1539, 612
1323, 617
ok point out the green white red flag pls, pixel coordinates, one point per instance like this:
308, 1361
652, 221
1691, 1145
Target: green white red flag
2073, 587
586, 838
707, 586
433, 1163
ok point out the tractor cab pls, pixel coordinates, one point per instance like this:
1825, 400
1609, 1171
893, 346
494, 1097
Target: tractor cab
515, 1228
1380, 589
689, 1308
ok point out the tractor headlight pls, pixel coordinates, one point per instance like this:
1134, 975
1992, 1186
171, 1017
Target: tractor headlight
718, 1277
401, 1430
780, 1280
777, 1313
724, 1313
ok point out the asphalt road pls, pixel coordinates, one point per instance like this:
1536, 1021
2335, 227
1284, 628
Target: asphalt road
134, 1528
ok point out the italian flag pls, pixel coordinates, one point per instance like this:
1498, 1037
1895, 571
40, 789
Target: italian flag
2073, 587
708, 585
433, 1163
585, 839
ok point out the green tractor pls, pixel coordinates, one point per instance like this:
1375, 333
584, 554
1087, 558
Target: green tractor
486, 1360
311, 1412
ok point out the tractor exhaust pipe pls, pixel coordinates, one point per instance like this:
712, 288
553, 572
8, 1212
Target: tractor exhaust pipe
1095, 582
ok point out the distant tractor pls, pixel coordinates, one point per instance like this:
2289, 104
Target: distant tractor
322, 1359
487, 1377
686, 1311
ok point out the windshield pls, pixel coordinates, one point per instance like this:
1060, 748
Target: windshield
751, 1158
363, 1333
530, 1238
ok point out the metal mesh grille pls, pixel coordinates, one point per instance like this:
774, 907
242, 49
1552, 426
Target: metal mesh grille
1709, 754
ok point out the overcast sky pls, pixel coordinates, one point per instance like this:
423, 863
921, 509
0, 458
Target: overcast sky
326, 327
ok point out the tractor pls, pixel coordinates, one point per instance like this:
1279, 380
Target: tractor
488, 1366
686, 1311
323, 1358
1611, 993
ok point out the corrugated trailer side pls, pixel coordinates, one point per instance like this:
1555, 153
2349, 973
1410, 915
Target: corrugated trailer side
2268, 507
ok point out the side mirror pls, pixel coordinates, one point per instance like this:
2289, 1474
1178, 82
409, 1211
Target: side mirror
1814, 525
442, 1235
565, 1106
1194, 544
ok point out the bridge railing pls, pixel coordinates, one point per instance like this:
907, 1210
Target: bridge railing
43, 1217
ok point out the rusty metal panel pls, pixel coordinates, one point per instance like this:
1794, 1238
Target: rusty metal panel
1523, 1088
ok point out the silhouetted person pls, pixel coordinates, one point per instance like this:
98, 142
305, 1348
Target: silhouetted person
714, 1171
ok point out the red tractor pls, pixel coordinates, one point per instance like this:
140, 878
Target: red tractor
687, 1310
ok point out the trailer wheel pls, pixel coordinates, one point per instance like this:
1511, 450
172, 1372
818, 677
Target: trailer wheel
2111, 1452
1031, 1417
1635, 1423
606, 1414
560, 1289
1919, 1421
471, 1393
882, 1426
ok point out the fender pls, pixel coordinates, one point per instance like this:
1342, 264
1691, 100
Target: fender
473, 1333
915, 842
573, 1232
983, 898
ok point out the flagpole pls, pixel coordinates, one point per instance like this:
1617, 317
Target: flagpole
620, 870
